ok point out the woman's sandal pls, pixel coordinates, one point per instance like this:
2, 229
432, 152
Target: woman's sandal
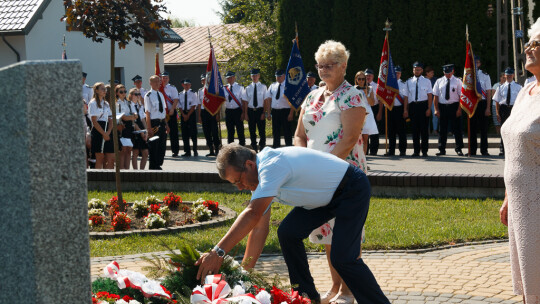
344, 299
328, 296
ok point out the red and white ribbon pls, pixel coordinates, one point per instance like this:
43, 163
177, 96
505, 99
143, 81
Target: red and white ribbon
137, 280
215, 291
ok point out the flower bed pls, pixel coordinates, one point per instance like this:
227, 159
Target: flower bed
152, 215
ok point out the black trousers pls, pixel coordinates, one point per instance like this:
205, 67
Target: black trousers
373, 140
255, 122
233, 120
396, 126
504, 112
419, 125
479, 121
448, 116
280, 122
173, 133
349, 206
210, 130
189, 130
156, 148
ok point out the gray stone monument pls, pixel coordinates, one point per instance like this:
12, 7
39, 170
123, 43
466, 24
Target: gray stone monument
44, 243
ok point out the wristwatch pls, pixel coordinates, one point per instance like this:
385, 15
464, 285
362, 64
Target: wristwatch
220, 252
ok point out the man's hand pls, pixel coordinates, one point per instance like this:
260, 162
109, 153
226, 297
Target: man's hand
428, 112
458, 113
171, 112
209, 263
488, 112
499, 118
405, 114
150, 132
379, 116
262, 116
290, 117
167, 130
436, 113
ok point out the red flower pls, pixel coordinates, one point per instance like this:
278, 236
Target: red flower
172, 200
154, 208
121, 222
212, 206
97, 220
127, 298
102, 294
113, 296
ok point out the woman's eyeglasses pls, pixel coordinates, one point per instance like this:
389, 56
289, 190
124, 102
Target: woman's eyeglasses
137, 94
121, 92
325, 66
360, 78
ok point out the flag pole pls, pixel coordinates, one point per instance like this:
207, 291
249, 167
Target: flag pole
218, 118
386, 29
468, 117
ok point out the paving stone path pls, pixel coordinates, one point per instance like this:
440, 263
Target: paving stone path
478, 273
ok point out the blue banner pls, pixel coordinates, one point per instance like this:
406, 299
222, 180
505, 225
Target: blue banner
296, 87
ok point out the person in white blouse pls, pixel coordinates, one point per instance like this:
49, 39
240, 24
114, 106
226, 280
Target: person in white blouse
257, 111
447, 92
505, 96
155, 107
282, 112
373, 143
129, 116
171, 96
188, 105
419, 108
139, 139
234, 111
101, 116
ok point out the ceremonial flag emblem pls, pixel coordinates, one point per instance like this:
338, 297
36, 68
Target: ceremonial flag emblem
471, 91
387, 85
214, 94
296, 87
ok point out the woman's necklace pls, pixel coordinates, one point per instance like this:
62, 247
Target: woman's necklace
328, 92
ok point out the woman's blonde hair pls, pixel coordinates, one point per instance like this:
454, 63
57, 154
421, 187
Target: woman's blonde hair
131, 91
360, 73
332, 50
95, 87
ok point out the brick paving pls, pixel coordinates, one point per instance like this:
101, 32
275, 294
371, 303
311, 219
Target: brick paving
477, 273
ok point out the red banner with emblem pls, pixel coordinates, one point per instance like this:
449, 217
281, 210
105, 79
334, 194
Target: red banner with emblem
471, 90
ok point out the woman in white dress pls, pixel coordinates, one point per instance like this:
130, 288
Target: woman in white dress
370, 127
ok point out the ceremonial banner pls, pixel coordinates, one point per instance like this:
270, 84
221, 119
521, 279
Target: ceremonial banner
471, 91
296, 87
387, 85
214, 94
162, 87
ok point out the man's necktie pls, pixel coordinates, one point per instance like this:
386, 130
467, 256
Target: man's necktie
230, 89
160, 103
447, 93
508, 94
255, 102
185, 101
278, 91
416, 94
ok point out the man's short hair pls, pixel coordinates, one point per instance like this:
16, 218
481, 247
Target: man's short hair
154, 77
235, 156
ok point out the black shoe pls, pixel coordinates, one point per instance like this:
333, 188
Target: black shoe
440, 153
402, 154
389, 154
195, 153
459, 153
186, 155
501, 154
424, 154
210, 154
415, 155
175, 155
473, 153
485, 154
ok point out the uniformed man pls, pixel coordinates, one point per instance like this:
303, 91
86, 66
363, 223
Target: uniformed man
256, 109
505, 96
188, 104
282, 112
234, 111
396, 118
419, 100
446, 95
377, 110
172, 104
137, 82
483, 111
154, 103
311, 79
87, 95
209, 123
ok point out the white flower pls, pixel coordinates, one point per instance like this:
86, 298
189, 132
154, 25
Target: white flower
199, 201
95, 211
153, 221
121, 301
263, 296
202, 213
90, 222
134, 302
152, 199
97, 204
238, 290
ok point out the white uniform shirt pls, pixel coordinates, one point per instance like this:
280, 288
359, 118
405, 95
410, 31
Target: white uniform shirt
502, 91
424, 88
192, 100
281, 102
142, 90
139, 109
439, 89
151, 104
288, 174
313, 88
374, 86
403, 91
124, 106
87, 93
238, 92
485, 81
200, 97
248, 94
102, 113
172, 93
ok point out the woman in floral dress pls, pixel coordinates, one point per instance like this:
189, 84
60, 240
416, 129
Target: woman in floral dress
332, 119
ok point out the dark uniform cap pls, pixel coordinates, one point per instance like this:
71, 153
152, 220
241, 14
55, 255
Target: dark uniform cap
255, 71
418, 64
165, 74
397, 68
84, 74
116, 81
230, 74
136, 78
279, 72
477, 58
369, 72
448, 68
203, 76
311, 74
509, 71
186, 81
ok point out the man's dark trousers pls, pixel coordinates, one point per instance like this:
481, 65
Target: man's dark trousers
396, 127
448, 116
156, 148
349, 206
173, 132
210, 130
479, 121
233, 119
255, 122
280, 121
189, 130
419, 125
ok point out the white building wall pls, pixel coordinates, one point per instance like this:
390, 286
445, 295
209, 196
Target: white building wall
7, 56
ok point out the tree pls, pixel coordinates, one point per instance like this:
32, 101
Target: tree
253, 43
177, 22
120, 21
231, 12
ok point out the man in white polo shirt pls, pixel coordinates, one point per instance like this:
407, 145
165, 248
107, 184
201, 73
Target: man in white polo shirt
330, 189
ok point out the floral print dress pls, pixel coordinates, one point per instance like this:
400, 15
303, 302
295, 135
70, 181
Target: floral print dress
322, 123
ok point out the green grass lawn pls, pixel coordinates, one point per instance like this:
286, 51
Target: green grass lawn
393, 223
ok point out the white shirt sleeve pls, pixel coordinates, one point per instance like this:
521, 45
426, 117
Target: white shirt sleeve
93, 109
436, 91
272, 175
